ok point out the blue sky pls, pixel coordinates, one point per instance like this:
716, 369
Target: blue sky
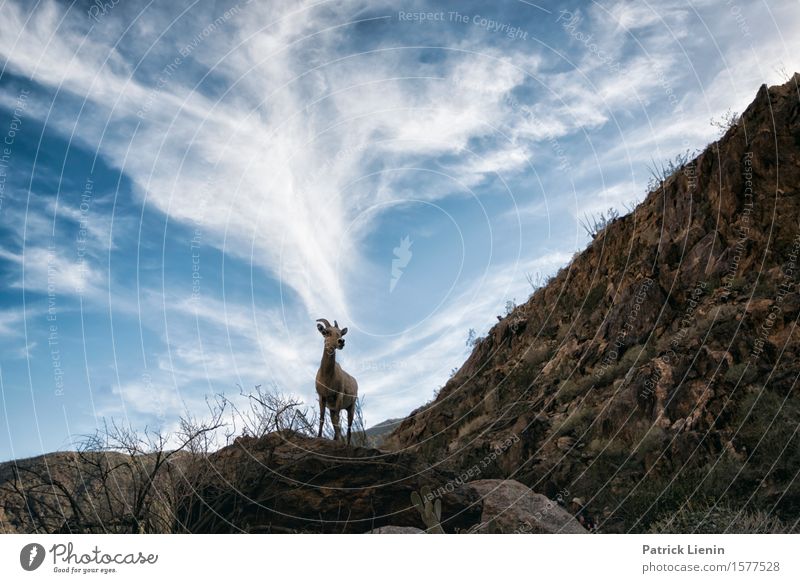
187, 186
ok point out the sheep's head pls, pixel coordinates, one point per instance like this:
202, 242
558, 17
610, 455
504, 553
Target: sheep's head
332, 334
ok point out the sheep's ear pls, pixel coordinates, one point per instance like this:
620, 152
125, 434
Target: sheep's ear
344, 331
322, 329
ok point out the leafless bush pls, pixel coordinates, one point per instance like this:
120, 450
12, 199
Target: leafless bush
630, 206
510, 306
119, 480
537, 281
203, 435
660, 172
359, 436
269, 410
594, 225
781, 70
725, 122
472, 338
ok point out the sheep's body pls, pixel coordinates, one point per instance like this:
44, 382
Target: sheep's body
339, 390
336, 389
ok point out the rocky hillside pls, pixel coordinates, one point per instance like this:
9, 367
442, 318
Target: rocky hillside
660, 366
89, 492
282, 482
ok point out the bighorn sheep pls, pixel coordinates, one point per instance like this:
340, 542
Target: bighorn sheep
337, 390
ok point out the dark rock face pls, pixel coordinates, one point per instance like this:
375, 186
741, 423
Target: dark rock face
290, 483
646, 372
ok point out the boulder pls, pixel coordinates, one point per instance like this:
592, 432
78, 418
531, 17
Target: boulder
512, 508
396, 530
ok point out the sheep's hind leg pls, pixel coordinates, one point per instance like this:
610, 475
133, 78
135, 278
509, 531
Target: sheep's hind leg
321, 416
337, 431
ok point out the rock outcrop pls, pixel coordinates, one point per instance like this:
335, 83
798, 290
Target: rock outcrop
289, 483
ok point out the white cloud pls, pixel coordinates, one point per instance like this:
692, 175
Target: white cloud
159, 400
48, 270
9, 320
258, 163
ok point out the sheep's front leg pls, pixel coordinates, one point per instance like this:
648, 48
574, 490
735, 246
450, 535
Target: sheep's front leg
321, 416
337, 431
350, 411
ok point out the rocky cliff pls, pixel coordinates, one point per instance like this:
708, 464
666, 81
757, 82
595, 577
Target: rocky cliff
659, 368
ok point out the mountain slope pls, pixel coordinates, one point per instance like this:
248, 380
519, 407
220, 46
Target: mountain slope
660, 366
378, 432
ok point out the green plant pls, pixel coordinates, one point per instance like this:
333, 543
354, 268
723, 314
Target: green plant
635, 356
578, 422
663, 493
764, 288
570, 389
713, 283
652, 441
429, 509
739, 284
767, 417
741, 373
704, 518
594, 297
606, 372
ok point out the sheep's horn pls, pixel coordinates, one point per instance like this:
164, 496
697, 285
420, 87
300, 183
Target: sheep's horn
335, 324
324, 321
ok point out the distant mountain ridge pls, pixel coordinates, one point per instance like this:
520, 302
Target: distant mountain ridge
378, 432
